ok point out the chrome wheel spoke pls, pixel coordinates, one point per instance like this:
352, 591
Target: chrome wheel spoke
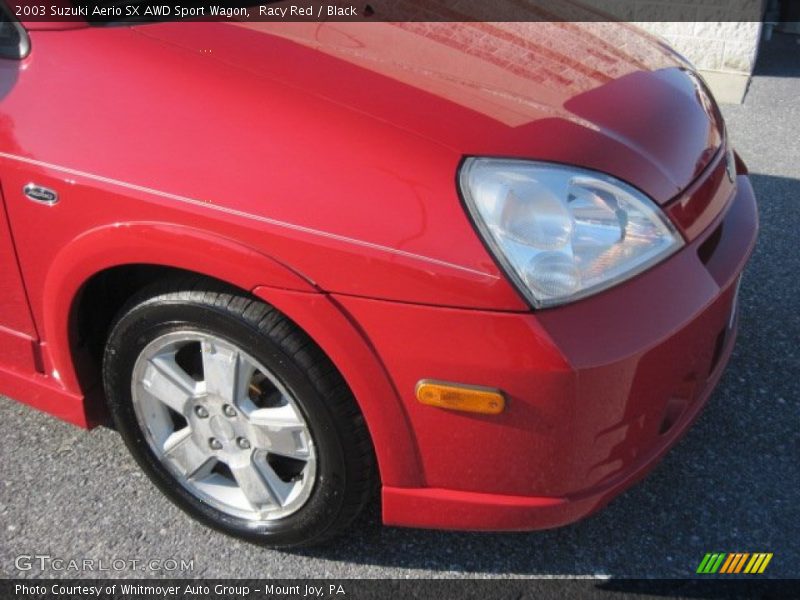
281, 430
259, 484
169, 383
287, 442
278, 417
189, 458
221, 370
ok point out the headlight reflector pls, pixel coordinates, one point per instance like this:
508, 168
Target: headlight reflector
563, 233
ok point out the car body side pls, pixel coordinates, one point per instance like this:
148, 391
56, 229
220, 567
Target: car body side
165, 153
173, 198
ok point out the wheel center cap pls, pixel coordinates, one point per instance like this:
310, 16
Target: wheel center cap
221, 428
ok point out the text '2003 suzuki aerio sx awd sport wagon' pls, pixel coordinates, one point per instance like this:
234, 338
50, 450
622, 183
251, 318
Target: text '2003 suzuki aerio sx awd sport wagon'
492, 276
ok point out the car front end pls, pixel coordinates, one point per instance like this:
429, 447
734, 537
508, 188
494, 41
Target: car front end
516, 249
624, 227
597, 390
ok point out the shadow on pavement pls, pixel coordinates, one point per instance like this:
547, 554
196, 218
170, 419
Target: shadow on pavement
779, 57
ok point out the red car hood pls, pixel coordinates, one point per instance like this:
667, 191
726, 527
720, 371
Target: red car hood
605, 96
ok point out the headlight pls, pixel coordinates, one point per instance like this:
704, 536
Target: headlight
563, 233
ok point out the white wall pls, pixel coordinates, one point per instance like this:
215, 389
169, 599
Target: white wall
720, 37
725, 52
726, 47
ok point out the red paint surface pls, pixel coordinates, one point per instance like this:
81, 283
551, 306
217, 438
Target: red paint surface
315, 166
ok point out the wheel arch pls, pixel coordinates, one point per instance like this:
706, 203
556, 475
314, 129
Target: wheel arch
126, 257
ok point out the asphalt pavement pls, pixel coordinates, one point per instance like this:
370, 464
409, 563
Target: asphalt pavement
731, 485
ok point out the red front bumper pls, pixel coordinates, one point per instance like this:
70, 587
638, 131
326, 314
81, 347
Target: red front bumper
598, 390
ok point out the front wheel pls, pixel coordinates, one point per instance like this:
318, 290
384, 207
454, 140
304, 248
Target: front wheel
236, 415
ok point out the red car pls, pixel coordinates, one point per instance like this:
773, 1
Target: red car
488, 269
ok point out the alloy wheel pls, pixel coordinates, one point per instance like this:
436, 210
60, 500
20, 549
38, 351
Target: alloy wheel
224, 426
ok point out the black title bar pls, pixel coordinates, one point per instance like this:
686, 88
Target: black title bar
115, 11
416, 589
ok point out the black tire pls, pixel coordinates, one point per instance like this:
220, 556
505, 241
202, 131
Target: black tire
345, 471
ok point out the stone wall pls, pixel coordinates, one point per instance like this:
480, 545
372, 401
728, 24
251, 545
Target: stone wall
720, 37
725, 52
720, 46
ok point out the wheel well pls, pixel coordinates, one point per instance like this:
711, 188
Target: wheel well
97, 304
93, 310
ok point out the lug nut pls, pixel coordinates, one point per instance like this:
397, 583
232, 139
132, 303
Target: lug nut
243, 443
229, 410
215, 444
201, 411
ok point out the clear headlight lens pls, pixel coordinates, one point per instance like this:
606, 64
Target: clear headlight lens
564, 233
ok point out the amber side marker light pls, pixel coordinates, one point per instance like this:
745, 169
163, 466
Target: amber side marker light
455, 396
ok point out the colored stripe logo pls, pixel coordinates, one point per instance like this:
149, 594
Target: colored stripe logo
734, 562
